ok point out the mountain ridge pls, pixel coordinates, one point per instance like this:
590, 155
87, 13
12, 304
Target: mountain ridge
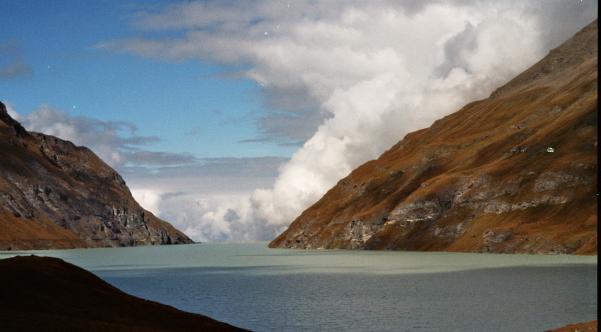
54, 194
514, 173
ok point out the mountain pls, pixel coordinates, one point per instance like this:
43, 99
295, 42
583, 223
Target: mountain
54, 194
48, 294
514, 173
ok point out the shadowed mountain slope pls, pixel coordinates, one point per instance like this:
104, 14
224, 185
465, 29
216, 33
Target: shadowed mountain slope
54, 194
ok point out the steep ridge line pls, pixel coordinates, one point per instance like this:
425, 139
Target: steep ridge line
54, 194
513, 173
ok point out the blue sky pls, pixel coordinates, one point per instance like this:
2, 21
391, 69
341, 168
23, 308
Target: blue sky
186, 102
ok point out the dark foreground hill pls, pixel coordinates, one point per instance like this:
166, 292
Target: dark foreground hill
54, 194
516, 172
48, 294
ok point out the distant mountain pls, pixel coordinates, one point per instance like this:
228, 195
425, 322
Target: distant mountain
54, 194
48, 294
516, 172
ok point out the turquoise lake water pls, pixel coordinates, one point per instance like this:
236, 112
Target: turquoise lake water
263, 289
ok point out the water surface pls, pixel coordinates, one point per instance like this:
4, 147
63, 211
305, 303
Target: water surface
263, 289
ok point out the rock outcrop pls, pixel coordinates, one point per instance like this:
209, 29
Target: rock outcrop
48, 294
54, 194
514, 173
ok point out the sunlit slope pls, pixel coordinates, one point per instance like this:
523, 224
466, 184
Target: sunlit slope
516, 172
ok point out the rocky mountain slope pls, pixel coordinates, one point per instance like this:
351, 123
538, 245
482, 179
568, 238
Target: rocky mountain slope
48, 294
516, 172
54, 194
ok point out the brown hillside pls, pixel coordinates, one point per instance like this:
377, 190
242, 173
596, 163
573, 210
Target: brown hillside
580, 327
516, 172
48, 294
54, 194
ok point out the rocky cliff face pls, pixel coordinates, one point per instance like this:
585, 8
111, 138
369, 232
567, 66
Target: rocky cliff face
516, 172
54, 194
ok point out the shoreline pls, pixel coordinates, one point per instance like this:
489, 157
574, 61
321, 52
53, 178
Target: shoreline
27, 251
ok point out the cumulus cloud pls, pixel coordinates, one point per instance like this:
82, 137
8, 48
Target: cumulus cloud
214, 217
207, 200
357, 76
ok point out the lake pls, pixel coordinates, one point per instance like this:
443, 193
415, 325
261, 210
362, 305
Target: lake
261, 289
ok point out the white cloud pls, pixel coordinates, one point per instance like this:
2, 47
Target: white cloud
11, 111
115, 142
149, 199
373, 71
208, 201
